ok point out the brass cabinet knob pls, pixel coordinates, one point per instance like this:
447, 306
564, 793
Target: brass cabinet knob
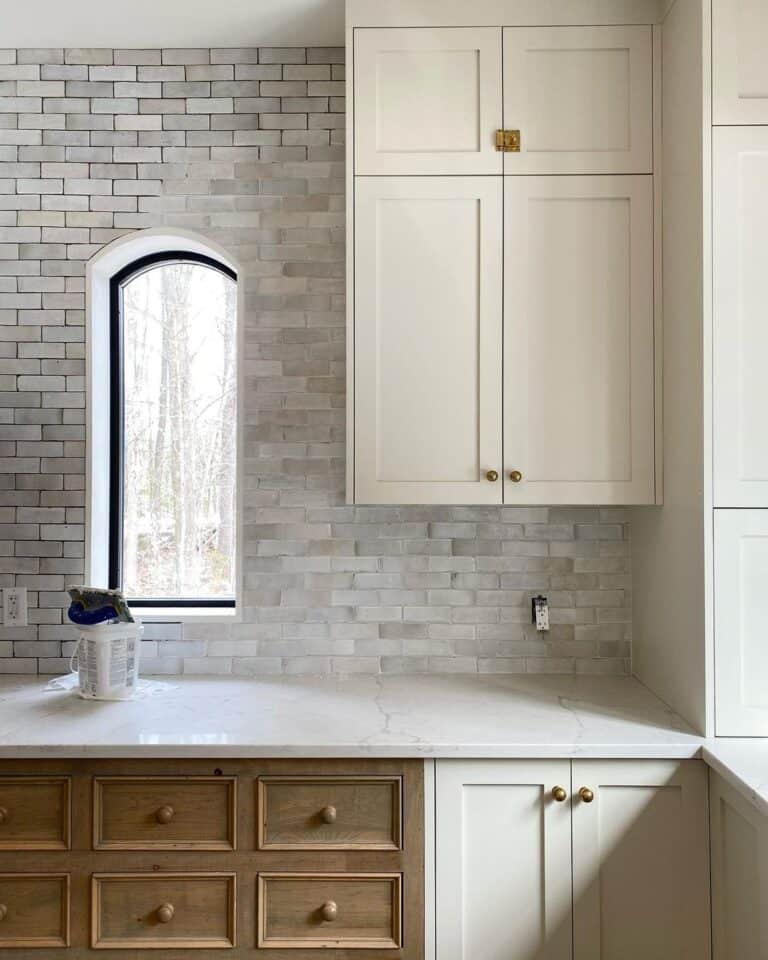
3, 911
165, 912
492, 475
515, 476
164, 814
328, 814
586, 795
329, 911
4, 815
559, 794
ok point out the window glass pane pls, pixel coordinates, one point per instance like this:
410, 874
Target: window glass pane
179, 343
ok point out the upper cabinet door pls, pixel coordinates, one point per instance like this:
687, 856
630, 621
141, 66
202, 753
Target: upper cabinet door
427, 100
581, 97
640, 860
428, 274
740, 333
578, 340
739, 63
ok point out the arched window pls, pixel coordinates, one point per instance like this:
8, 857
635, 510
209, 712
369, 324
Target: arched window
172, 430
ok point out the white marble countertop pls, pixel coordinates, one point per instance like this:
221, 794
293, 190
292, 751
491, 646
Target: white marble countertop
446, 716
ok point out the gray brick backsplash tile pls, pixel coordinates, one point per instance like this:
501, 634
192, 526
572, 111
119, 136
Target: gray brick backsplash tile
246, 147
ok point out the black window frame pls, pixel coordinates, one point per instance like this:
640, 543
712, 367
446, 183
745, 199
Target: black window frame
116, 421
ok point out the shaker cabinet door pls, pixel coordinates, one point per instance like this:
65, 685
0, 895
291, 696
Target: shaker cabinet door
739, 64
427, 100
503, 876
581, 97
427, 370
578, 340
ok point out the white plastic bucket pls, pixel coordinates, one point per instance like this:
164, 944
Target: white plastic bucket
108, 660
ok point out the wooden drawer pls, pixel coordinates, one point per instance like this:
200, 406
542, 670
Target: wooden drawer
329, 813
162, 910
34, 813
164, 813
304, 910
34, 910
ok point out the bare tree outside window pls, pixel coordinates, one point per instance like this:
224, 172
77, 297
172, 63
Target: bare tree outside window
179, 382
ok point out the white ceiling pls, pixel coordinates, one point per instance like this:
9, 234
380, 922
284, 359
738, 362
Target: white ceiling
171, 23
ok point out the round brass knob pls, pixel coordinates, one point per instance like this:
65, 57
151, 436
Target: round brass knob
586, 795
164, 814
328, 814
3, 911
515, 476
329, 911
4, 815
559, 794
165, 912
492, 475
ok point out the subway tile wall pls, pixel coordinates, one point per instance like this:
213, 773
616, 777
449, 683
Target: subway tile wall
246, 147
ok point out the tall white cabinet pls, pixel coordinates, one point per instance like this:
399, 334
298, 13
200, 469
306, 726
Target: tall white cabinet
501, 324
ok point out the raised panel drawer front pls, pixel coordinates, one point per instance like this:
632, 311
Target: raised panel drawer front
164, 813
34, 813
741, 623
34, 910
739, 64
503, 845
427, 100
323, 911
640, 860
581, 97
428, 340
579, 340
162, 910
740, 333
338, 813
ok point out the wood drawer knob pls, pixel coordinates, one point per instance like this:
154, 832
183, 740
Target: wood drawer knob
329, 911
164, 814
5, 815
328, 814
586, 795
165, 912
3, 911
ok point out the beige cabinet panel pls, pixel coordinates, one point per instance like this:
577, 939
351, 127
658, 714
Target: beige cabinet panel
428, 276
640, 860
741, 623
739, 62
427, 100
503, 878
739, 875
581, 97
578, 340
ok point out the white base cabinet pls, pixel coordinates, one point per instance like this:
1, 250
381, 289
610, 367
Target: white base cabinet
594, 860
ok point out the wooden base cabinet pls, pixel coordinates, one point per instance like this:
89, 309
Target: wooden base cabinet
552, 860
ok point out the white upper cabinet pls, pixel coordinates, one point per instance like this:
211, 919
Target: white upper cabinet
427, 100
581, 98
740, 292
741, 623
739, 61
428, 275
578, 340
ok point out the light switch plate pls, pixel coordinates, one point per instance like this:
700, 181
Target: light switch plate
15, 606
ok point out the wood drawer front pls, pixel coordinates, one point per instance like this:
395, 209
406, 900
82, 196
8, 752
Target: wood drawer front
330, 813
34, 813
303, 910
164, 813
157, 911
34, 910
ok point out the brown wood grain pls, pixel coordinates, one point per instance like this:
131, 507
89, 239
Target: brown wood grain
34, 813
35, 910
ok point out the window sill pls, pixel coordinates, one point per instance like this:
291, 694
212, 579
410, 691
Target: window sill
186, 614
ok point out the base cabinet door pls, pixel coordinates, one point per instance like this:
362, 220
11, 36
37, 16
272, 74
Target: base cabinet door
739, 875
503, 878
640, 860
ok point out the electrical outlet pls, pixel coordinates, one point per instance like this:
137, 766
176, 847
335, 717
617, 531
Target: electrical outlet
540, 613
15, 607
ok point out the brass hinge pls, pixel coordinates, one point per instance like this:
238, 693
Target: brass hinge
508, 141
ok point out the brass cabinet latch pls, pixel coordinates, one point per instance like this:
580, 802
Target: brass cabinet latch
508, 141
